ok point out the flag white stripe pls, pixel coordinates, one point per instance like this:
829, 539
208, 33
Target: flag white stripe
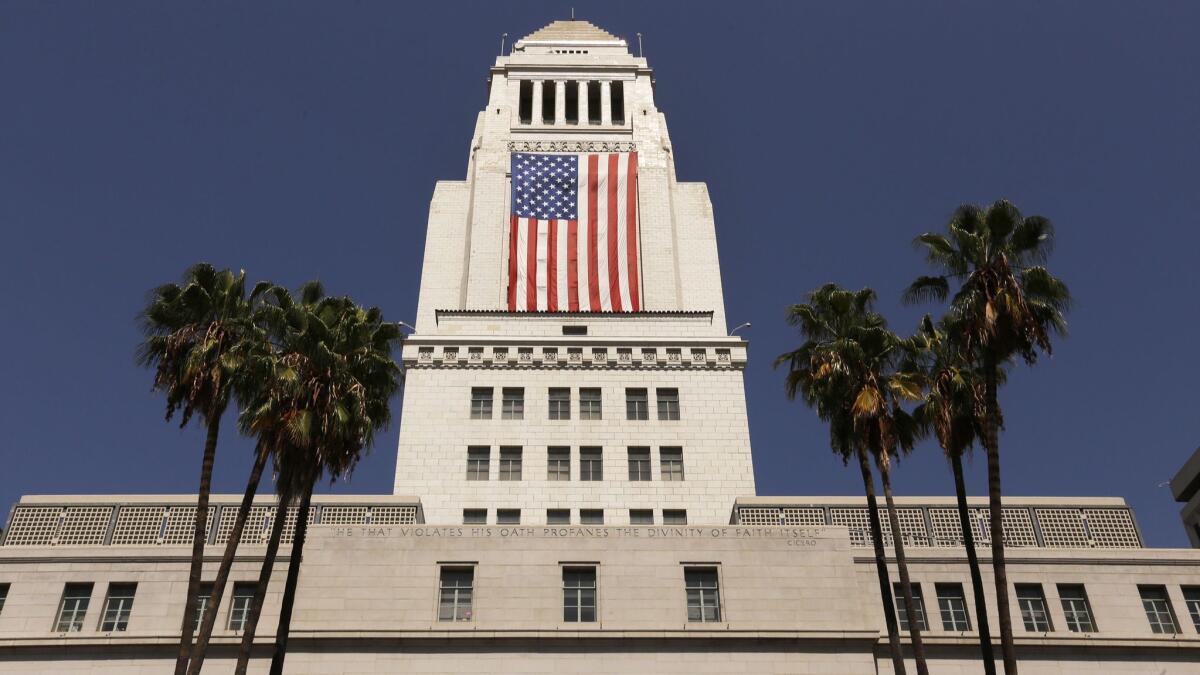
543, 258
560, 263
522, 262
583, 231
623, 230
601, 197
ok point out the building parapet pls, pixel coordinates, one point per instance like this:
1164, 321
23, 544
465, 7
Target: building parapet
933, 522
169, 520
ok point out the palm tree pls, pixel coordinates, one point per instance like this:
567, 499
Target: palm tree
1006, 304
196, 340
952, 411
326, 399
840, 370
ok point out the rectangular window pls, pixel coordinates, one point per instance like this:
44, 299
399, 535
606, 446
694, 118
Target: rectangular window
591, 516
1034, 613
617, 96
671, 460
239, 605
548, 94
558, 463
560, 403
591, 464
118, 604
639, 464
454, 594
3, 596
641, 516
510, 462
593, 102
478, 458
1076, 608
481, 403
575, 330
589, 404
1191, 596
668, 404
512, 407
918, 607
203, 601
525, 102
579, 594
1158, 608
474, 516
952, 605
703, 594
73, 608
508, 516
674, 517
558, 516
571, 101
637, 407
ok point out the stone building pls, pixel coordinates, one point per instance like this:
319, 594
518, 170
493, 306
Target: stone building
574, 489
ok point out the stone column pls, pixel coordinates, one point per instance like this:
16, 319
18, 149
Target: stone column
583, 101
537, 102
606, 103
560, 102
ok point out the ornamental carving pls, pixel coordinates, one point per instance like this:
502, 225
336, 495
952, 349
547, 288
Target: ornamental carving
572, 146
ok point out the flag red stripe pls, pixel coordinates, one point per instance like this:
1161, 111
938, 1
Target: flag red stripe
531, 267
631, 229
512, 264
552, 267
614, 265
573, 265
593, 254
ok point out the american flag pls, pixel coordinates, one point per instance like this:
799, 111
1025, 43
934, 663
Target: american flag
573, 240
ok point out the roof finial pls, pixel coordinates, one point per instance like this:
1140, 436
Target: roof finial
639, 45
503, 37
572, 13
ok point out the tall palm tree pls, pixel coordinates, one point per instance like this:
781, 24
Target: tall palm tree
328, 397
839, 372
1006, 304
952, 410
197, 335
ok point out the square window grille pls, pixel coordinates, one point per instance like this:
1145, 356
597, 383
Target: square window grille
803, 516
255, 531
1113, 528
343, 515
181, 524
1062, 528
84, 525
33, 526
759, 515
393, 515
138, 525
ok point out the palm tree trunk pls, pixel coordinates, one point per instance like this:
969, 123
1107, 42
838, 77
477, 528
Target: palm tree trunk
992, 445
881, 570
235, 537
910, 610
199, 537
260, 591
981, 616
289, 589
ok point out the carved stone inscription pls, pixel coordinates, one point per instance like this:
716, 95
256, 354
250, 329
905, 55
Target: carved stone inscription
790, 536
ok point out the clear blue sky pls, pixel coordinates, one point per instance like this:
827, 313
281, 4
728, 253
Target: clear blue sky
298, 140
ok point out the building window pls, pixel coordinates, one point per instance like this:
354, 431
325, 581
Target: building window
510, 462
481, 403
239, 605
1158, 608
3, 596
918, 607
478, 458
558, 463
668, 404
1032, 603
952, 605
203, 600
474, 516
672, 463
513, 405
591, 516
617, 100
454, 594
558, 516
674, 517
548, 94
641, 516
1191, 598
637, 407
703, 594
591, 464
73, 608
525, 102
589, 404
593, 102
639, 463
579, 594
117, 607
508, 516
560, 403
571, 101
1076, 608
